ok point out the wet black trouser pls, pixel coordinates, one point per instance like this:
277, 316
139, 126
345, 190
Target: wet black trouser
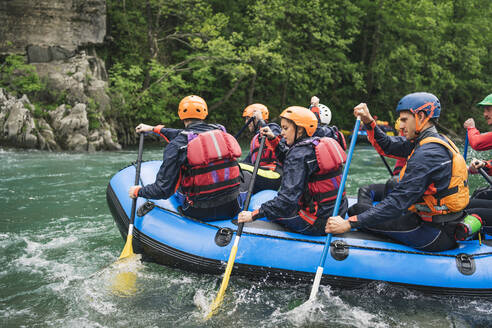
412, 231
483, 193
222, 212
366, 196
482, 207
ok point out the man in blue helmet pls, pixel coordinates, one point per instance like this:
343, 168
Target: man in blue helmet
423, 209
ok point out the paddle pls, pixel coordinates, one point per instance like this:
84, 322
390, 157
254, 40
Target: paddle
128, 249
244, 127
386, 164
232, 255
319, 271
485, 175
465, 151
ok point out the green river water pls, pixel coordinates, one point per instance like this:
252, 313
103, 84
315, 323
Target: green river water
58, 242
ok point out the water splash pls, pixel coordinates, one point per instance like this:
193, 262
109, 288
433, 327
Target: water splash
126, 272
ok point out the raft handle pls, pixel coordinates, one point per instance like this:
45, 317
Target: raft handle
465, 264
339, 250
223, 236
145, 208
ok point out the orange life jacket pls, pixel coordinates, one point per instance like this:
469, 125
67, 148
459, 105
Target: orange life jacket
212, 166
434, 206
323, 185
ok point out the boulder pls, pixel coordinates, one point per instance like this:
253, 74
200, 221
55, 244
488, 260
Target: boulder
76, 142
68, 121
46, 137
17, 124
79, 79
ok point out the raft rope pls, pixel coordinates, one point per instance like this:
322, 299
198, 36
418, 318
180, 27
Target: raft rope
336, 243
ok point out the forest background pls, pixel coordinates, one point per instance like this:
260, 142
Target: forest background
282, 52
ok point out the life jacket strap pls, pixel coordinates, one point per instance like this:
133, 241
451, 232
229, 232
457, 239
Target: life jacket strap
206, 169
199, 189
328, 197
329, 175
444, 218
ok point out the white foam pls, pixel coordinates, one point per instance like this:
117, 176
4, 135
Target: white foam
327, 305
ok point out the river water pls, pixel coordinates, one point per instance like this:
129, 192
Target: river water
58, 243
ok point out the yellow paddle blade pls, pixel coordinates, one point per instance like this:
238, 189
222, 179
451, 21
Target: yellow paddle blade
225, 282
128, 249
126, 269
269, 174
124, 284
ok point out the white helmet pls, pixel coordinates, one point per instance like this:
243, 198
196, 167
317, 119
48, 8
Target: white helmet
324, 114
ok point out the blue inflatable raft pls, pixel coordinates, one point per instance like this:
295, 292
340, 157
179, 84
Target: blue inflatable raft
266, 250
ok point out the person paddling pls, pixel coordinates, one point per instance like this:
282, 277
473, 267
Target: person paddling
481, 142
312, 173
427, 204
323, 114
270, 171
200, 163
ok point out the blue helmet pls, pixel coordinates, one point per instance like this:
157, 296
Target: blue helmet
420, 101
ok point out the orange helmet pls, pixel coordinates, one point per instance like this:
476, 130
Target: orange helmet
248, 111
192, 107
302, 117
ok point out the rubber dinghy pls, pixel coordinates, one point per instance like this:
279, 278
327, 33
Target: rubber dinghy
266, 250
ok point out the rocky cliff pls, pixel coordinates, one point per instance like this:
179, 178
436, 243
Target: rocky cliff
66, 24
58, 37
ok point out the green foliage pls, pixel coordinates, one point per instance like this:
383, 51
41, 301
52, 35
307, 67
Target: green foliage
93, 115
36, 110
18, 77
281, 52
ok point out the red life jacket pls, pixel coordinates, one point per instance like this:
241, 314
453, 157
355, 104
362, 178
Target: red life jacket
323, 185
267, 159
212, 167
341, 140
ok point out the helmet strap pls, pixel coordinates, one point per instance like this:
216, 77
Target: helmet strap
418, 124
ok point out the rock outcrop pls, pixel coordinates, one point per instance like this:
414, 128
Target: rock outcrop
79, 79
58, 37
63, 25
17, 122
65, 128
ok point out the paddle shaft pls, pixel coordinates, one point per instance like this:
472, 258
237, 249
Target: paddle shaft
319, 271
252, 183
387, 165
128, 249
465, 151
480, 170
232, 256
137, 175
244, 127
485, 175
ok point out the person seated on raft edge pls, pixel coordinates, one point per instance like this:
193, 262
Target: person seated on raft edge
270, 171
191, 160
310, 178
369, 194
323, 114
427, 204
481, 142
